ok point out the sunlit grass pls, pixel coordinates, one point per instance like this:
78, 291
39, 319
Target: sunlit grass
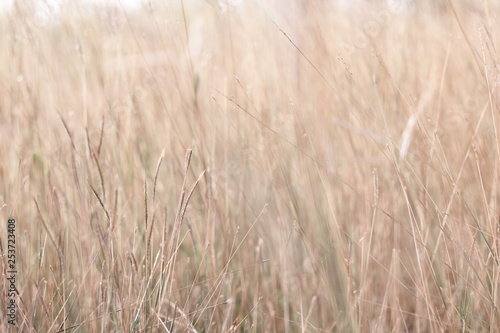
196, 167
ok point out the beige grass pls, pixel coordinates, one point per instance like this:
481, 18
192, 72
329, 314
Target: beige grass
343, 175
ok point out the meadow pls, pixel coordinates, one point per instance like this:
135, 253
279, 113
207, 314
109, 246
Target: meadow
240, 166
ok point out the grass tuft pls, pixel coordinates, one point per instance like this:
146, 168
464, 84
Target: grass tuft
340, 174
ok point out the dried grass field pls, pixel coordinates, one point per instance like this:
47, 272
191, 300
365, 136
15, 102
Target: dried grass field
242, 166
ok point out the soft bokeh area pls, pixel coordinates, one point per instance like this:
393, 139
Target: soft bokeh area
251, 166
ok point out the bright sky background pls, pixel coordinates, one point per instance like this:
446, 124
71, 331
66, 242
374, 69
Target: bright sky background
126, 3
134, 3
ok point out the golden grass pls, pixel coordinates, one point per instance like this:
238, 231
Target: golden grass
341, 173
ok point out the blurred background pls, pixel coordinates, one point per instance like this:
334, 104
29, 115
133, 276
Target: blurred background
264, 166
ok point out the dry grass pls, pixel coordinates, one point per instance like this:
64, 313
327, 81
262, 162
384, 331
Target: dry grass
343, 177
